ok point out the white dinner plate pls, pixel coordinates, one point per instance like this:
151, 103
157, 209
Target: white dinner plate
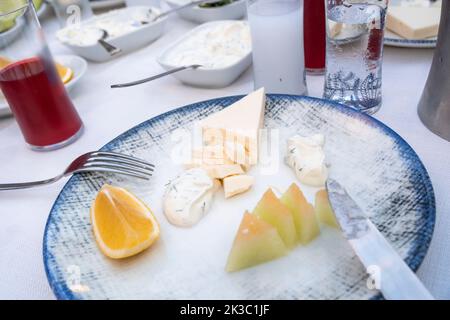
378, 168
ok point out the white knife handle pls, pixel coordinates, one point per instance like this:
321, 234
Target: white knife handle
396, 279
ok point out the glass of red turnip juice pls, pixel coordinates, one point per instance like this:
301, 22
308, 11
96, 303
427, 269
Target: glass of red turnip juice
31, 85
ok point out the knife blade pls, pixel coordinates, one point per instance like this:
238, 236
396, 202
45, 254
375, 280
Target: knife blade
394, 278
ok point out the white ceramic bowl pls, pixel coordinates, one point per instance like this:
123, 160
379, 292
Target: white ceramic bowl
233, 11
206, 77
77, 64
127, 42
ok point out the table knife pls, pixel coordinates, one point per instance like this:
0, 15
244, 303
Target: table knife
394, 278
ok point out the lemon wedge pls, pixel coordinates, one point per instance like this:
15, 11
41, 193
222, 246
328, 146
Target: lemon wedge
123, 225
65, 73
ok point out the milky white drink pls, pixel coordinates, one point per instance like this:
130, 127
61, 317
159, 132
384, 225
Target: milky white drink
277, 41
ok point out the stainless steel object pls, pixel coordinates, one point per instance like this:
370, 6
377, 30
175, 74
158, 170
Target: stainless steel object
134, 83
434, 105
112, 50
393, 277
99, 161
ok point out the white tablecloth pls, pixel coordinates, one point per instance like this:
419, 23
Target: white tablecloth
107, 113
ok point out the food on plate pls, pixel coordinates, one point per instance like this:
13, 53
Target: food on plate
303, 213
188, 197
414, 22
7, 6
216, 4
237, 184
123, 225
116, 23
323, 209
38, 4
256, 242
222, 171
238, 124
306, 157
65, 73
216, 46
271, 210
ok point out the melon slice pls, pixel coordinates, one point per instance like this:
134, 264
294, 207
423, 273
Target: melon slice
256, 242
303, 213
271, 210
324, 211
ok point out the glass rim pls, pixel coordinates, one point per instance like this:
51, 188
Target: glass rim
15, 10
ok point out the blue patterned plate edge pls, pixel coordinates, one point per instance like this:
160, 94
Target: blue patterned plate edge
415, 256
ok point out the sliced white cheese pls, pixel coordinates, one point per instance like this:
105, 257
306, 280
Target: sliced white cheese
235, 185
222, 171
414, 22
239, 122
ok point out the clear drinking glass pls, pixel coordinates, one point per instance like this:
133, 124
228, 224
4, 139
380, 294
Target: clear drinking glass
277, 40
355, 32
70, 12
31, 84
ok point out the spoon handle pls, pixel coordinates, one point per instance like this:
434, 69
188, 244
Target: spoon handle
134, 83
112, 50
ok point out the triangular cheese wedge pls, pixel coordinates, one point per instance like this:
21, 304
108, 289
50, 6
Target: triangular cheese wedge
239, 123
413, 22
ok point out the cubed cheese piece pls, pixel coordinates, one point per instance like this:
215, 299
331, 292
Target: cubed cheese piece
234, 185
208, 155
237, 153
222, 171
239, 122
413, 22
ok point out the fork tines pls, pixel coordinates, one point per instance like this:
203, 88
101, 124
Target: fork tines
119, 163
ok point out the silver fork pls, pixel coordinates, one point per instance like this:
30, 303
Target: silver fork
99, 161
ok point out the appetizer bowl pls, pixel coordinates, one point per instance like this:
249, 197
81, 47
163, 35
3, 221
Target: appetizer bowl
233, 11
127, 42
205, 77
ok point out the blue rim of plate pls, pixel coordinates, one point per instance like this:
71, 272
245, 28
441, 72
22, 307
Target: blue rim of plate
421, 43
420, 246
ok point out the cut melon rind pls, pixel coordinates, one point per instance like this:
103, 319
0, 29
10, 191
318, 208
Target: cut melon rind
256, 242
324, 211
271, 210
303, 213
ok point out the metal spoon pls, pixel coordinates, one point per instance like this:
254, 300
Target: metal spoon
134, 83
112, 50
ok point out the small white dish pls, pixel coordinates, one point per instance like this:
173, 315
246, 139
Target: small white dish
127, 42
232, 11
10, 35
206, 77
394, 40
77, 64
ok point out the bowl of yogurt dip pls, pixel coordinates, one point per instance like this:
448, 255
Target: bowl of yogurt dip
128, 29
221, 10
222, 48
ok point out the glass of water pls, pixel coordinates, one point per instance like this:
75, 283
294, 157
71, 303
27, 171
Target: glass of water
277, 43
355, 32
